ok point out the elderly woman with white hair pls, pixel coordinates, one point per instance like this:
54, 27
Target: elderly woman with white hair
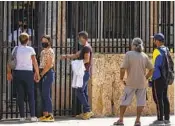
135, 64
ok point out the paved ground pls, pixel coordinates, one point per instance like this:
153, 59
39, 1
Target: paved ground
129, 121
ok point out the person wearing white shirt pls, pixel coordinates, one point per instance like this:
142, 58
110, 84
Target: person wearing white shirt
13, 38
23, 75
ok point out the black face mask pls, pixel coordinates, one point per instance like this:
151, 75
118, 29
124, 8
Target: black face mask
20, 25
45, 45
25, 26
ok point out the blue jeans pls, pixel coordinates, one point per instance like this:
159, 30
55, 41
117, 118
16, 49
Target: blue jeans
82, 93
46, 82
24, 81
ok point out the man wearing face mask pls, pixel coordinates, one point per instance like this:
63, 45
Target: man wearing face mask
14, 36
84, 54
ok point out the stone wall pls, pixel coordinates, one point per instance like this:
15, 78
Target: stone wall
106, 89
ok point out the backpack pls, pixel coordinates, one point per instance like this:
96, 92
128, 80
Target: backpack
167, 67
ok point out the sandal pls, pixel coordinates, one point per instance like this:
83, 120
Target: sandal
118, 123
137, 124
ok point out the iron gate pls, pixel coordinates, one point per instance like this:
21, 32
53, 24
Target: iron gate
111, 27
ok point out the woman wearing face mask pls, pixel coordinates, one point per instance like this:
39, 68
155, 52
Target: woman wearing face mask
47, 57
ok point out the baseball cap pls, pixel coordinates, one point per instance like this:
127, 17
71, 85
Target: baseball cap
159, 36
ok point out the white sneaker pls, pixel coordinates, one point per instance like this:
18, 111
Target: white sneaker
22, 119
34, 119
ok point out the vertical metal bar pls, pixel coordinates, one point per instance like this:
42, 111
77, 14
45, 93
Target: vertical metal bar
47, 3
168, 24
158, 2
146, 15
52, 36
117, 24
141, 18
108, 33
126, 24
104, 27
33, 22
121, 25
92, 21
17, 42
149, 26
11, 97
66, 63
153, 20
28, 17
129, 22
100, 28
1, 57
173, 10
56, 59
112, 22
71, 40
7, 29
95, 25
61, 47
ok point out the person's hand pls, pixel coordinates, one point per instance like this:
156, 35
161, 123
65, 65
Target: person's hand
124, 82
9, 76
63, 57
37, 77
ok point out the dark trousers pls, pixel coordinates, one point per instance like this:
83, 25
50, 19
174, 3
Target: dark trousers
47, 81
24, 81
82, 93
160, 97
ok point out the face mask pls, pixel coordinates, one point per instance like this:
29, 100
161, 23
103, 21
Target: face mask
25, 26
45, 45
79, 42
20, 25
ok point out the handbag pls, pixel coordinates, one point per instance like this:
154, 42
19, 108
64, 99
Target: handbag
13, 61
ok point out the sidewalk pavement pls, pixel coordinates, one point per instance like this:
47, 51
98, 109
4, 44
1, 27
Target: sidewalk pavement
129, 121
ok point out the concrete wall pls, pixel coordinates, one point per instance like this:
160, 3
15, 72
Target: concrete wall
106, 90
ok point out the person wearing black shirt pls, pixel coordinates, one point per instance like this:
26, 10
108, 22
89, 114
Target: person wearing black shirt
84, 54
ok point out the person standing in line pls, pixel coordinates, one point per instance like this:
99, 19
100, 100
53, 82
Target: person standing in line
84, 54
22, 27
135, 63
47, 62
23, 75
159, 86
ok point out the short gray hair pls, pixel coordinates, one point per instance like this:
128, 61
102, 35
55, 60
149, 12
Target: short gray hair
137, 43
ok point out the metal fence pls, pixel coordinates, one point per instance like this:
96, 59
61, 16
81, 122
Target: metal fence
111, 27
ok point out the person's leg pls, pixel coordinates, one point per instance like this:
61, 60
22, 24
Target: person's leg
166, 104
125, 101
158, 88
20, 93
81, 94
122, 112
86, 93
30, 91
141, 102
46, 87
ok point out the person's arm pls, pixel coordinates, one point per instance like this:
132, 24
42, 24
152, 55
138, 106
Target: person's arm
123, 67
122, 73
86, 55
150, 67
48, 65
35, 65
71, 56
